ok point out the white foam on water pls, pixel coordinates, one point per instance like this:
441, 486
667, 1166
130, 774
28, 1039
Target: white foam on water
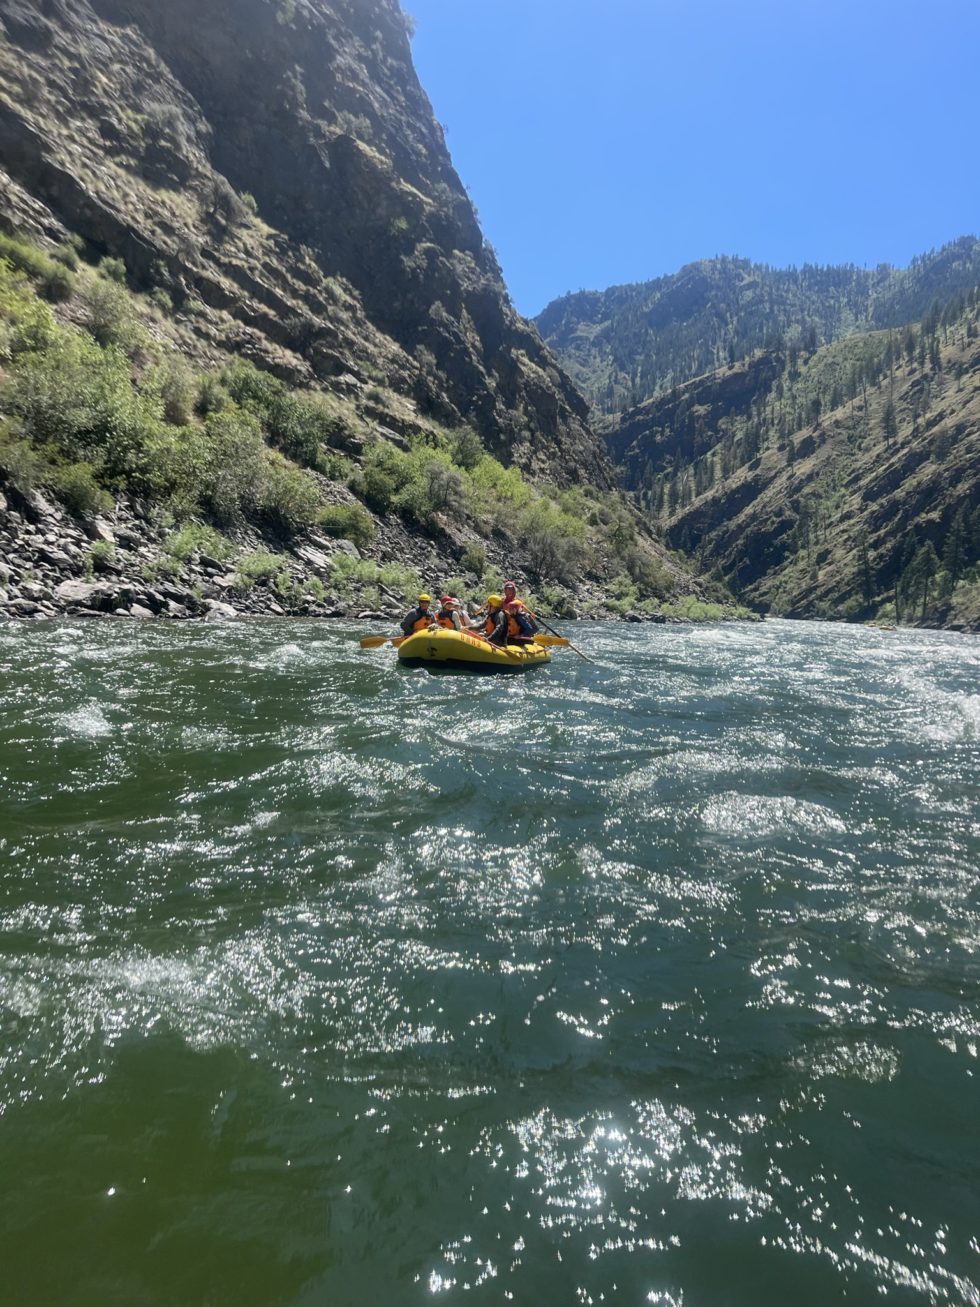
88, 722
752, 815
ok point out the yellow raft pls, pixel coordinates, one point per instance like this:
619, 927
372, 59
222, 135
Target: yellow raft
457, 649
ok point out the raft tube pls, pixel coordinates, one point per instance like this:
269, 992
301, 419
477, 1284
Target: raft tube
458, 649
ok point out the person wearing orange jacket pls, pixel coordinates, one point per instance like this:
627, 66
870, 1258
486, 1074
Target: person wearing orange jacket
420, 618
451, 615
526, 627
500, 626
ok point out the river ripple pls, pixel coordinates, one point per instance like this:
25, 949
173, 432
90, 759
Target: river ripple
324, 982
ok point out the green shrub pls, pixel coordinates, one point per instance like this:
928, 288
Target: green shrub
223, 203
101, 554
445, 489
24, 256
502, 490
260, 566
26, 324
67, 254
212, 397
557, 603
81, 399
467, 448
553, 542
649, 573
346, 522
290, 498
235, 467
474, 559
194, 538
109, 316
113, 270
163, 300
377, 487
302, 426
58, 284
75, 485
21, 466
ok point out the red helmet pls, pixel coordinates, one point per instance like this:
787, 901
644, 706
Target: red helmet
510, 585
446, 599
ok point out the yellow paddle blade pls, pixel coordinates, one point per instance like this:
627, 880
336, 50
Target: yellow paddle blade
374, 641
552, 641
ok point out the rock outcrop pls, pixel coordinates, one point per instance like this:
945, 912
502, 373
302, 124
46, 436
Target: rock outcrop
275, 168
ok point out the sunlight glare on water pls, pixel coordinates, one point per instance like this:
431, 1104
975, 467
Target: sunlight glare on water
328, 982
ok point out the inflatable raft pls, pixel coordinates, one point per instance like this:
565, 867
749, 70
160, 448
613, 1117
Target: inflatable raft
457, 649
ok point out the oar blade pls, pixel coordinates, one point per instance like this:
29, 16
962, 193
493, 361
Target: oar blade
374, 641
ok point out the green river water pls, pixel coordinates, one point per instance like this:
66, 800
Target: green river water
325, 982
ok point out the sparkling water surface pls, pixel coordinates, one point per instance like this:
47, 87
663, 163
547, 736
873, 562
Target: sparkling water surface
324, 982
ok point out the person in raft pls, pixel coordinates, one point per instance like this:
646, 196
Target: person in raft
502, 627
451, 615
518, 614
419, 619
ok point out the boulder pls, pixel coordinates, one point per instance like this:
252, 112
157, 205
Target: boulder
54, 557
101, 596
219, 612
97, 528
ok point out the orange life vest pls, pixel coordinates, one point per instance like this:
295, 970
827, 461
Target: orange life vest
514, 607
445, 620
490, 625
423, 623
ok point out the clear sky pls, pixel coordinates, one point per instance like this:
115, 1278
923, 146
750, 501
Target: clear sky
608, 141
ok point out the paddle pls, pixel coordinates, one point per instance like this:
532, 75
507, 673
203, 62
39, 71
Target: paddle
376, 641
552, 641
569, 644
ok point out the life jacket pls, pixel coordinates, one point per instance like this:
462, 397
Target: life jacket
445, 618
519, 619
423, 623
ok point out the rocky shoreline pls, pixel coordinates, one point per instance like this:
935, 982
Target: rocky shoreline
53, 565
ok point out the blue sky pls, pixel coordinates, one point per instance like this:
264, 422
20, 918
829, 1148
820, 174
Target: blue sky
606, 141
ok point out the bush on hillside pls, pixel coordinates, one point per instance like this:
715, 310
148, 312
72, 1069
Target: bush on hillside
552, 541
234, 472
194, 538
109, 316
26, 324
474, 559
346, 522
75, 485
289, 498
467, 448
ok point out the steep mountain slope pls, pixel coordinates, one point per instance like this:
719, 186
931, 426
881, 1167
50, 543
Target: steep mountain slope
628, 343
139, 126
234, 203
837, 482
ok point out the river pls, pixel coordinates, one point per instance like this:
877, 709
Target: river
653, 981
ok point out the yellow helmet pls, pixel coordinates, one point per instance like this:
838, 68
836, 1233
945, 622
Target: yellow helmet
494, 601
425, 599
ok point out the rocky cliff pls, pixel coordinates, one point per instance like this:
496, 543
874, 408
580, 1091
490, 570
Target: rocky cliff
275, 167
252, 339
